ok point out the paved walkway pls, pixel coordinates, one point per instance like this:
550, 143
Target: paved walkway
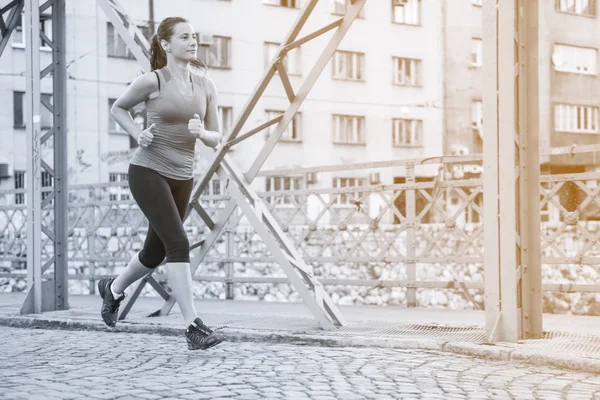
59, 364
571, 342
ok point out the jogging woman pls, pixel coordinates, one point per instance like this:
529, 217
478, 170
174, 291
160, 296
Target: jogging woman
181, 107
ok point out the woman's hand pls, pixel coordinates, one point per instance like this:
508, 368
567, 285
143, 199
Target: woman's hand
145, 138
196, 127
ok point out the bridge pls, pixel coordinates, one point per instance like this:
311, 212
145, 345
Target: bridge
404, 240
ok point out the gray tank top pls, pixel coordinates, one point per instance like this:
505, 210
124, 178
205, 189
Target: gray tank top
171, 152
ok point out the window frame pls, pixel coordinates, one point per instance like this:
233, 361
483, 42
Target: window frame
295, 124
419, 11
360, 56
361, 14
407, 121
297, 4
595, 118
594, 65
477, 51
594, 13
362, 129
397, 62
120, 193
44, 112
293, 57
295, 183
346, 197
21, 45
204, 50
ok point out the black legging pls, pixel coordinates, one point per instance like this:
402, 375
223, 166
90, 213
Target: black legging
164, 202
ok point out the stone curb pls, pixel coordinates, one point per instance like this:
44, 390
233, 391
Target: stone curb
486, 351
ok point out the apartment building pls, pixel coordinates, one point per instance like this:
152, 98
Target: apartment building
568, 82
380, 97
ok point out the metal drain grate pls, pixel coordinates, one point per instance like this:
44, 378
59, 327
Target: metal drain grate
433, 332
563, 342
363, 328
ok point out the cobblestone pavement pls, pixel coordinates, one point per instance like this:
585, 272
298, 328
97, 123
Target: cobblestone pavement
49, 364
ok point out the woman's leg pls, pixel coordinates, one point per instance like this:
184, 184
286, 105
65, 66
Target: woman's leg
153, 251
164, 201
198, 335
140, 182
135, 270
178, 266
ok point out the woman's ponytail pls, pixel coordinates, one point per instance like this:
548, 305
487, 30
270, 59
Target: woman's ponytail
158, 56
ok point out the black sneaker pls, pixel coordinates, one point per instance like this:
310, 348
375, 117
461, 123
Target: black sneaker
110, 306
200, 336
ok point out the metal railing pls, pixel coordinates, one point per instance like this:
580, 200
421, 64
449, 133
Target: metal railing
422, 232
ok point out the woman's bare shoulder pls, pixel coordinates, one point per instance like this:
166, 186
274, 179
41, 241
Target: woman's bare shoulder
147, 81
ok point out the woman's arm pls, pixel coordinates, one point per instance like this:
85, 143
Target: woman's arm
138, 91
211, 135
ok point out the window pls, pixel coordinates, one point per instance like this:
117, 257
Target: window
348, 129
292, 61
47, 181
347, 198
407, 71
579, 60
20, 184
212, 189
18, 35
407, 12
284, 3
116, 46
283, 183
215, 52
476, 52
19, 111
575, 118
477, 2
340, 7
225, 119
348, 65
118, 193
407, 132
579, 7
293, 131
477, 115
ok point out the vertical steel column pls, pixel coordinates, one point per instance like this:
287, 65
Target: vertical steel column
45, 295
529, 149
490, 168
31, 31
511, 146
229, 265
61, 188
411, 243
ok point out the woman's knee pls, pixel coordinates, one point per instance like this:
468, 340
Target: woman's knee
152, 257
178, 249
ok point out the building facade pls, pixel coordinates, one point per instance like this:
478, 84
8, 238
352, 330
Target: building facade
379, 98
568, 84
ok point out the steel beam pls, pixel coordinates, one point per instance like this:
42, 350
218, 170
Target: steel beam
15, 8
319, 301
529, 149
51, 294
511, 145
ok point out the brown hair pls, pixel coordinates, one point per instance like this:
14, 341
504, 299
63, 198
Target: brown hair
158, 56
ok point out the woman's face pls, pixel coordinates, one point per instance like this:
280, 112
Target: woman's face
183, 43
